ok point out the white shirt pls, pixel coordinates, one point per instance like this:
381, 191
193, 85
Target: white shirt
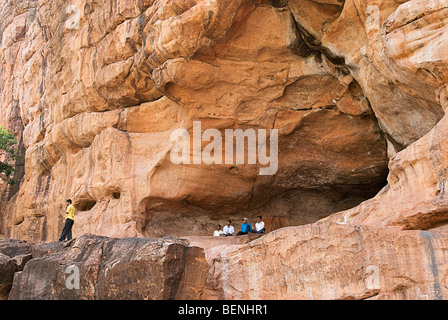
259, 226
217, 233
228, 230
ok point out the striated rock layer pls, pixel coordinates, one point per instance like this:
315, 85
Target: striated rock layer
331, 261
357, 90
94, 267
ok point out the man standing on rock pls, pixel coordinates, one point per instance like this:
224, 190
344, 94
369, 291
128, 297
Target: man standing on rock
69, 220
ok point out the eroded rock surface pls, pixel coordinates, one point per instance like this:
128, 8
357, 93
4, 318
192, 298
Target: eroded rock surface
357, 89
101, 86
13, 256
108, 268
333, 261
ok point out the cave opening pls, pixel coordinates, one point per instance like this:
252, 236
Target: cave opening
85, 205
333, 156
116, 195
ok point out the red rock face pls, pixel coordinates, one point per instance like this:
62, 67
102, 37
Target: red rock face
356, 89
94, 267
101, 88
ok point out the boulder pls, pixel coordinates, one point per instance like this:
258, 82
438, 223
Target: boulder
95, 267
14, 254
7, 270
332, 261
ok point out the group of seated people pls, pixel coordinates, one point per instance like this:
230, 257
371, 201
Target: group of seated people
246, 228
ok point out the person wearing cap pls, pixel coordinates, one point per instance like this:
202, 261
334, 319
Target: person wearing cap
245, 227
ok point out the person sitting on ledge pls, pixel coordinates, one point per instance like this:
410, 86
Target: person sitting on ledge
228, 229
245, 227
218, 232
259, 226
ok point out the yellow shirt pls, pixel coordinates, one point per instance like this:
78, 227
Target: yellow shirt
70, 212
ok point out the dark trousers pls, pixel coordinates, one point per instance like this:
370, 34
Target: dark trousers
67, 231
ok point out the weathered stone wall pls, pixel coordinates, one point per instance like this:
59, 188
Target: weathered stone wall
101, 86
357, 90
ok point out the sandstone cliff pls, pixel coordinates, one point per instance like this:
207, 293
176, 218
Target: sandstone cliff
357, 89
99, 87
